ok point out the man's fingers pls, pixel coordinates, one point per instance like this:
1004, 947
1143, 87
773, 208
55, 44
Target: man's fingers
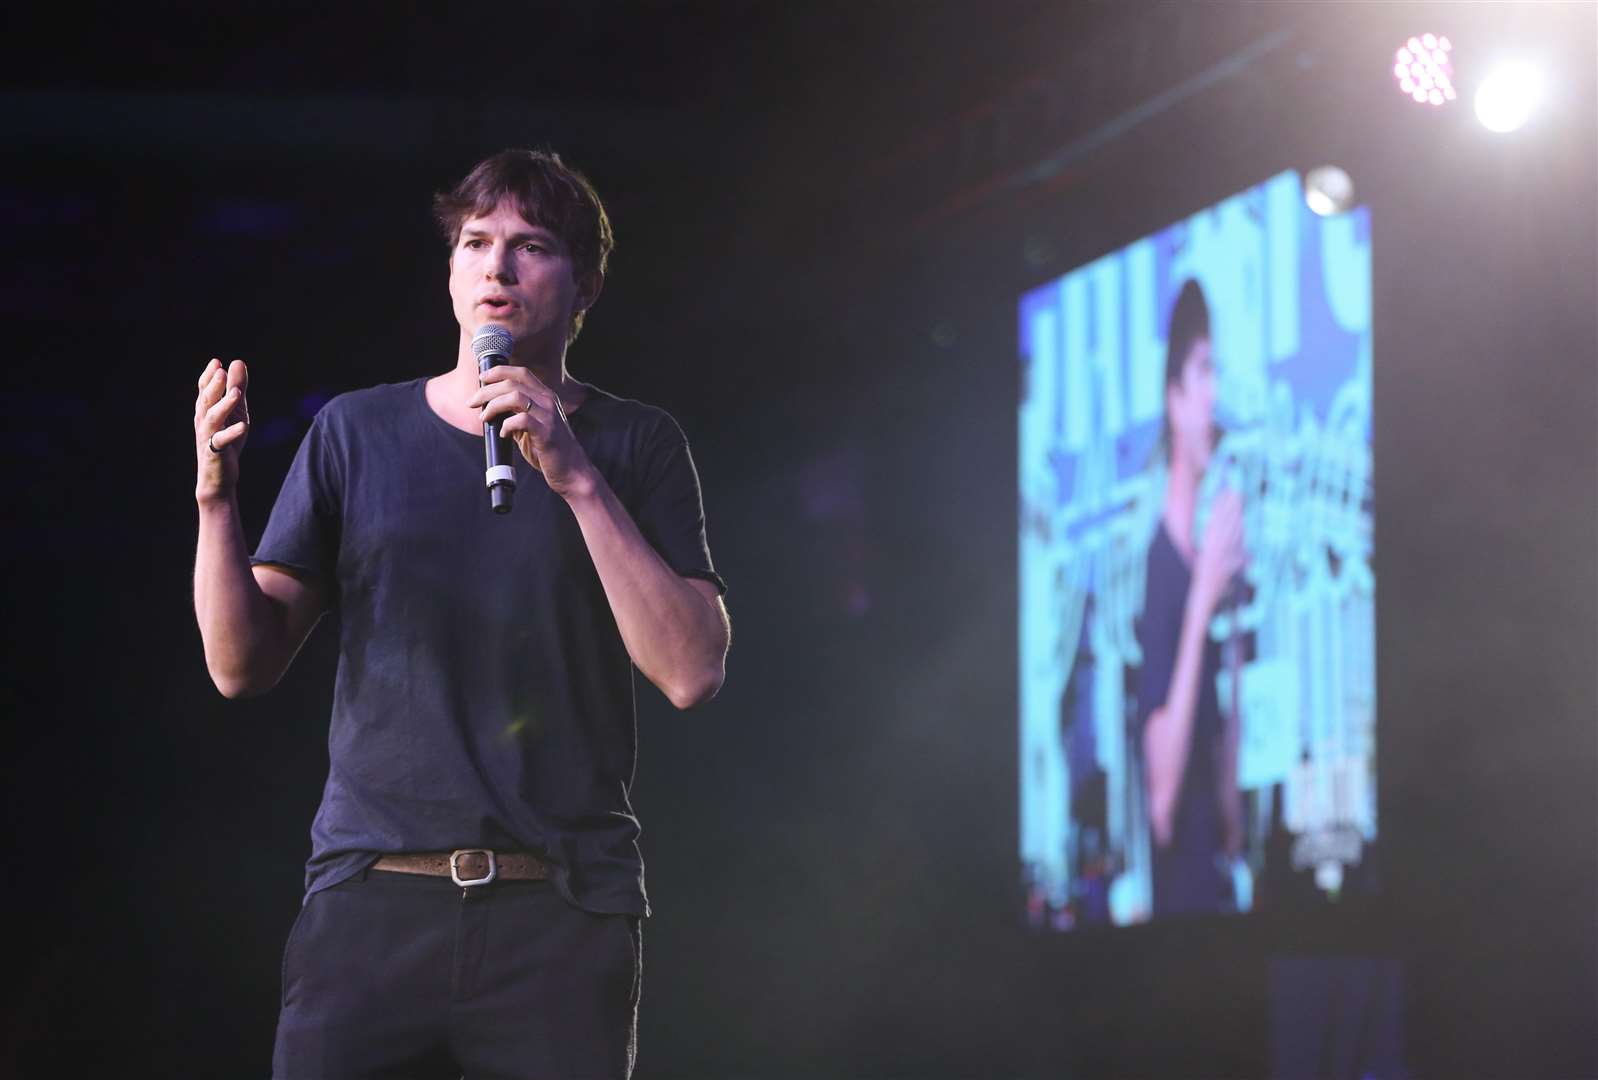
229, 434
219, 410
238, 376
514, 402
527, 380
505, 371
214, 388
534, 389
210, 369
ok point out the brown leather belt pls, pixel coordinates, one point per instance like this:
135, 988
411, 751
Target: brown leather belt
469, 866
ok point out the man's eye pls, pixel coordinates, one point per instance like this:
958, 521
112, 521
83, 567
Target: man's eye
533, 248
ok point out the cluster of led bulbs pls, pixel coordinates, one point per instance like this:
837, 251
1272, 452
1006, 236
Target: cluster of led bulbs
1423, 70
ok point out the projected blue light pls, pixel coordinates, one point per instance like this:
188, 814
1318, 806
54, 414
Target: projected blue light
1288, 302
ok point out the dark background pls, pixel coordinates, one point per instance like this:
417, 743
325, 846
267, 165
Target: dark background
824, 214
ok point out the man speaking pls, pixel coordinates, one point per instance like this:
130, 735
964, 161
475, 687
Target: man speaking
474, 890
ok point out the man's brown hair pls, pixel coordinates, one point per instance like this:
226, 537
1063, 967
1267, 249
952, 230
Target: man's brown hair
546, 192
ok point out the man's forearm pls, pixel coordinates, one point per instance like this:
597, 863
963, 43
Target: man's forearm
239, 624
676, 636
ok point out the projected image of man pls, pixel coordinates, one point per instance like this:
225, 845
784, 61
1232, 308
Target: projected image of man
1189, 742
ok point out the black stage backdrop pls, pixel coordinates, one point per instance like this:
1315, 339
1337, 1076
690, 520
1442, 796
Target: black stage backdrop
824, 218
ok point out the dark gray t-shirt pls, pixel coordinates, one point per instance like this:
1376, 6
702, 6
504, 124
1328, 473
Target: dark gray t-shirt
484, 696
1187, 874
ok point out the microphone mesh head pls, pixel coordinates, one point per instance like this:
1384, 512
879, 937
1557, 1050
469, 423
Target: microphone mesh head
492, 340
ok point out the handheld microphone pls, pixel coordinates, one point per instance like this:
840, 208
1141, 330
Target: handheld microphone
492, 345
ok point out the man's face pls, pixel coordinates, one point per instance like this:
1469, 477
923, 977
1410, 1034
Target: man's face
516, 275
1190, 404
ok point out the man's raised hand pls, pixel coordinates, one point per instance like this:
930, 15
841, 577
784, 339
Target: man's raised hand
221, 424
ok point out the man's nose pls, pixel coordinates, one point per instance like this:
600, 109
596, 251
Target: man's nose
501, 265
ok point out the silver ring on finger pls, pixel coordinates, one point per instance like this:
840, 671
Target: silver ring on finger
529, 407
211, 445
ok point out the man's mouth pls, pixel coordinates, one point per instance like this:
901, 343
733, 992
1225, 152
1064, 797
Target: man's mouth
497, 303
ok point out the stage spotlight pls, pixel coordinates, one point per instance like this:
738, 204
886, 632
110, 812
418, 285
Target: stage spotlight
1328, 190
1424, 71
1507, 97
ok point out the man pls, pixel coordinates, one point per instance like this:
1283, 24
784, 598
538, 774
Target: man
474, 887
1189, 744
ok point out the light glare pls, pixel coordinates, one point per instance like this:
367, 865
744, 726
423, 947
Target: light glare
1508, 96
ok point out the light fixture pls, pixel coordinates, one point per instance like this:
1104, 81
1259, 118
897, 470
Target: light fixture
1424, 71
1328, 190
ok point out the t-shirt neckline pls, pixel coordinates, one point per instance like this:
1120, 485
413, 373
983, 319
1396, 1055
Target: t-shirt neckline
594, 394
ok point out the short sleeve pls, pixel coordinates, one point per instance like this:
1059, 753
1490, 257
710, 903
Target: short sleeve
670, 512
1159, 632
303, 531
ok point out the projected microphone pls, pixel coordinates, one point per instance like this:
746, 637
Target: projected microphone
491, 345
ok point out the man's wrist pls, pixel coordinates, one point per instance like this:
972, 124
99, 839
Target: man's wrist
216, 503
584, 487
1200, 598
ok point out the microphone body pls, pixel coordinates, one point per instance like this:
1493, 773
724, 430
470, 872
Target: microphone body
492, 346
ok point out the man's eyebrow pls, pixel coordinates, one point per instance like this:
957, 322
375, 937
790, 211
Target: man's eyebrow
538, 233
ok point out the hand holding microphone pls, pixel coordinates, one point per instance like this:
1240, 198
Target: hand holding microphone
1221, 552
516, 404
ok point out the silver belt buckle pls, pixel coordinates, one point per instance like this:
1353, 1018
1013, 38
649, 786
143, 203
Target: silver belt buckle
466, 883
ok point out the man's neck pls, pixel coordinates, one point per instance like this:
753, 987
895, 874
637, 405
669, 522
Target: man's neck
1181, 496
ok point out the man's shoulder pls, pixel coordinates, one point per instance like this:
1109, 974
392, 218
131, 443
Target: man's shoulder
382, 398
609, 410
365, 410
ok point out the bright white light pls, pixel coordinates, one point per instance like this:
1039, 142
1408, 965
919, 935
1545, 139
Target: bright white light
1328, 190
1508, 96
1423, 70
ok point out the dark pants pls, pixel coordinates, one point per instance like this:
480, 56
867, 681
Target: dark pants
401, 975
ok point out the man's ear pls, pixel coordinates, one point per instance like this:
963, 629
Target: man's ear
588, 289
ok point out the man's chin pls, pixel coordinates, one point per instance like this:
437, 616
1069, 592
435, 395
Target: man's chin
507, 322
